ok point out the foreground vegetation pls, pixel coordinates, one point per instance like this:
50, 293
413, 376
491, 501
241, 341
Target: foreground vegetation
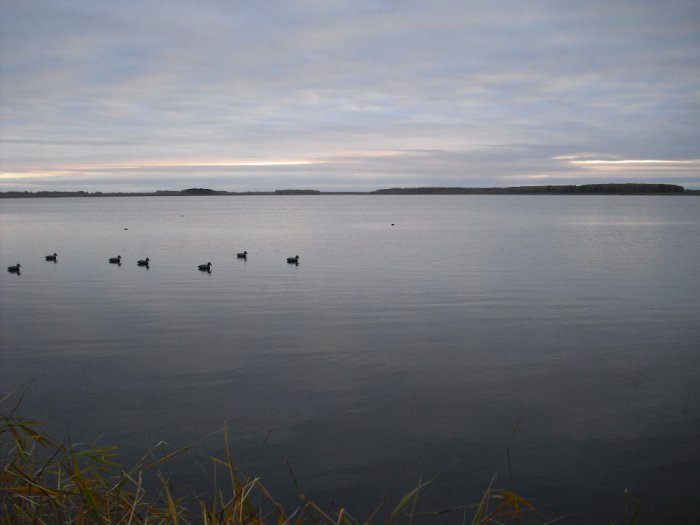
45, 480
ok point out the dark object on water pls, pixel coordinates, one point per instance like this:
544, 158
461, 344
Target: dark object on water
115, 260
293, 260
14, 269
392, 223
143, 262
53, 257
242, 255
126, 229
205, 267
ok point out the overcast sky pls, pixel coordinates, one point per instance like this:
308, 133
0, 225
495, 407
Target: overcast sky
347, 95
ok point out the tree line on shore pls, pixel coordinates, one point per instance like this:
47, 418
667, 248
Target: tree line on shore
583, 189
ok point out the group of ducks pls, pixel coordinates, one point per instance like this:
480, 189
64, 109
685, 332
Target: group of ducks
16, 268
242, 255
118, 260
145, 262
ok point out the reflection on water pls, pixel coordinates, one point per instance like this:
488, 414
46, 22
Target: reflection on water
563, 329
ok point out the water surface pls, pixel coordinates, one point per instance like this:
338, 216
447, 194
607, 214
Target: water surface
561, 329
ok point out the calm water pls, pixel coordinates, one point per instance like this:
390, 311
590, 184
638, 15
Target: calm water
563, 329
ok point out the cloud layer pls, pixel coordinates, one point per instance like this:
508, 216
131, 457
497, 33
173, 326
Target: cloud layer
347, 95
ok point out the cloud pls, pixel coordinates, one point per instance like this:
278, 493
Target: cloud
87, 83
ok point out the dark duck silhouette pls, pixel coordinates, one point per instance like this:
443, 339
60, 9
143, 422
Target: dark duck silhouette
205, 267
143, 262
14, 269
115, 260
293, 260
53, 257
242, 255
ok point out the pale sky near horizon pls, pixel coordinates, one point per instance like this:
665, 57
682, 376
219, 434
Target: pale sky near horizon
347, 95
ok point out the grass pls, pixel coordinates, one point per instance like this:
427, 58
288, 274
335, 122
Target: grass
46, 480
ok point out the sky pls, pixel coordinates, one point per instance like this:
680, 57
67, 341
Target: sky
145, 95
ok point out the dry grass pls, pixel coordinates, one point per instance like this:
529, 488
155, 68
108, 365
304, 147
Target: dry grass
46, 481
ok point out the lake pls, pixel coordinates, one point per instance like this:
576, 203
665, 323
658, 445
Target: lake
420, 337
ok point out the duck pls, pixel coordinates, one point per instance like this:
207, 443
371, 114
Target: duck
143, 262
14, 269
115, 260
242, 255
293, 260
51, 257
205, 267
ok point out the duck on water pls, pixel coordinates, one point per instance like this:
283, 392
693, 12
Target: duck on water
205, 267
293, 260
143, 262
53, 257
242, 255
115, 260
14, 269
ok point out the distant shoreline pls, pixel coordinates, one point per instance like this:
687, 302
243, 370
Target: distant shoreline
584, 189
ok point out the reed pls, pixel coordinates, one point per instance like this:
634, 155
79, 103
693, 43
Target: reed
45, 480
